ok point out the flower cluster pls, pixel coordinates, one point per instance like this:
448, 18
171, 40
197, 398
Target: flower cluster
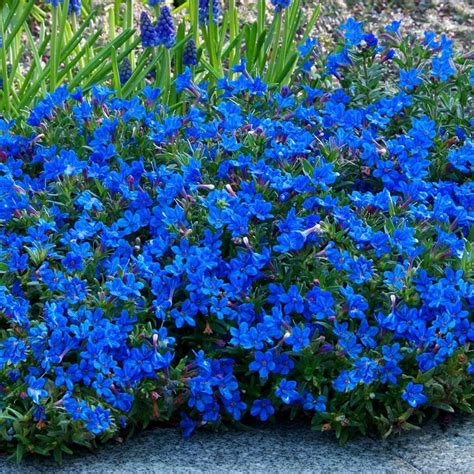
206, 9
190, 53
254, 252
162, 33
75, 7
280, 5
125, 71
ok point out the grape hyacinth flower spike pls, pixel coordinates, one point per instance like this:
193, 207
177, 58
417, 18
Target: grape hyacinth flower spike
165, 31
75, 7
280, 4
204, 11
148, 32
190, 53
55, 3
125, 71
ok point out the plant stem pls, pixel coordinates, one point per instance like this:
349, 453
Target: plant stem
112, 24
165, 79
52, 53
129, 26
234, 31
116, 73
194, 16
276, 43
260, 27
6, 84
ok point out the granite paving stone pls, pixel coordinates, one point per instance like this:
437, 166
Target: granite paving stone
289, 448
434, 449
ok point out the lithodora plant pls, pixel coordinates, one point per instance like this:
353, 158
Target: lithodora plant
251, 253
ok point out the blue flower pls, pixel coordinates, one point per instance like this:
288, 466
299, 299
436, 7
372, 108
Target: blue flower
409, 79
392, 353
393, 27
292, 301
235, 406
286, 391
184, 81
263, 363
353, 32
299, 338
35, 388
346, 381
442, 66
320, 303
366, 370
12, 351
311, 403
370, 40
389, 373
307, 47
247, 337
284, 364
462, 158
263, 409
396, 277
98, 420
414, 395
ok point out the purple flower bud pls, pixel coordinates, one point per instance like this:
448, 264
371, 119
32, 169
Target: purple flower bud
326, 348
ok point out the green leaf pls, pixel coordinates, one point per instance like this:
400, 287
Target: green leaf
443, 406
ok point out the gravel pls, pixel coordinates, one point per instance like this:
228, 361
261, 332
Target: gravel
453, 17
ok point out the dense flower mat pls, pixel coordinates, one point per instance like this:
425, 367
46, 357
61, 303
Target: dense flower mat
252, 253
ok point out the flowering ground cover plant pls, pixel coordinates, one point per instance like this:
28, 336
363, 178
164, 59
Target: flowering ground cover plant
253, 252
